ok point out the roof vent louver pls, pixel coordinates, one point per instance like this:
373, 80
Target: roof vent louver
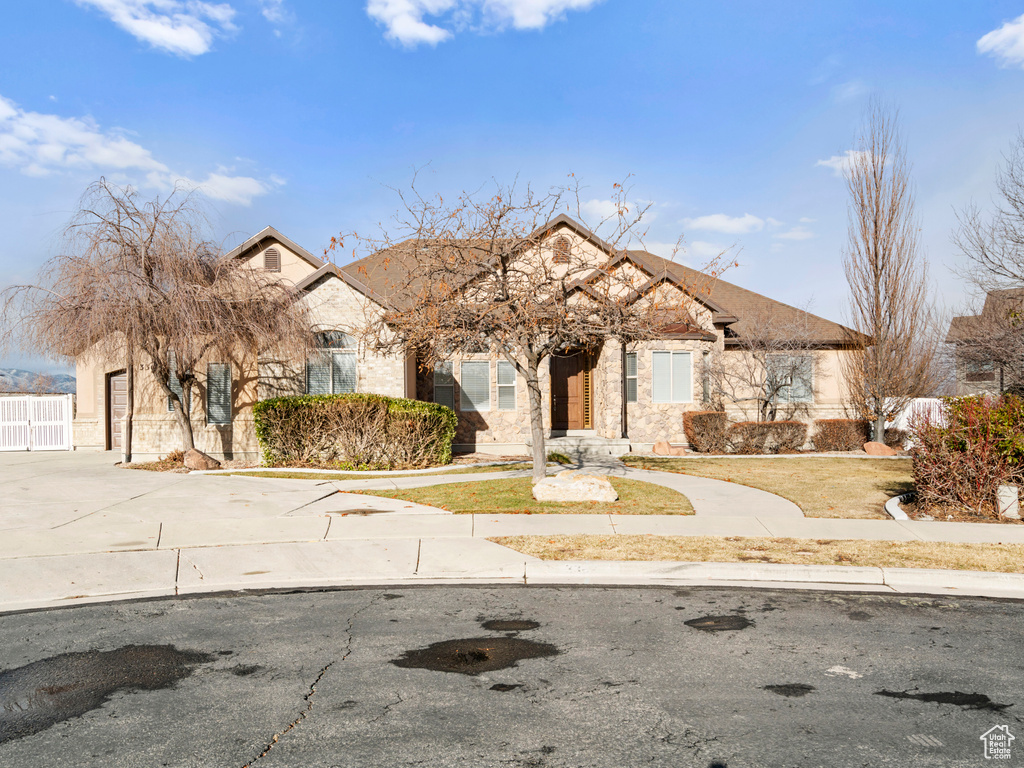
272, 260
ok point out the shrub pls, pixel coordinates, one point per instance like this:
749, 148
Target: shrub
705, 430
896, 438
786, 435
558, 458
963, 458
841, 434
357, 430
748, 437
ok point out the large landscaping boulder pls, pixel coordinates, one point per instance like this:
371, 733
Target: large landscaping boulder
198, 460
573, 485
878, 449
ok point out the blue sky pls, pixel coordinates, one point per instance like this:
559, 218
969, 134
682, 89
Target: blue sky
731, 118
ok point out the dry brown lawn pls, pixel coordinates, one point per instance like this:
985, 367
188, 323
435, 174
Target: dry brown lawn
321, 476
821, 487
1003, 558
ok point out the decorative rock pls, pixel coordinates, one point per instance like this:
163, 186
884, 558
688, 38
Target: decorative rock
678, 450
879, 449
663, 448
198, 460
574, 486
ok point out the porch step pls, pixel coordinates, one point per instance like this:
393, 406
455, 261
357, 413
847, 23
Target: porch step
574, 446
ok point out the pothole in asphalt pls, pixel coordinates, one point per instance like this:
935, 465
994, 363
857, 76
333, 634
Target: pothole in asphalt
509, 625
505, 687
956, 698
791, 690
46, 692
474, 655
860, 616
731, 623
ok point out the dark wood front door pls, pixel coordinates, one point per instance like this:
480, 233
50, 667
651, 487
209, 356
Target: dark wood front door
570, 392
117, 404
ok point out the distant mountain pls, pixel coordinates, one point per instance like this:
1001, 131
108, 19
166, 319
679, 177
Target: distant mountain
17, 380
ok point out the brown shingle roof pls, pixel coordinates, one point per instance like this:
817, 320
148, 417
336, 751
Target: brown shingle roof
385, 277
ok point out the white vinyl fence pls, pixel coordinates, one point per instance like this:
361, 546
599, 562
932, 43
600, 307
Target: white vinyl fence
35, 423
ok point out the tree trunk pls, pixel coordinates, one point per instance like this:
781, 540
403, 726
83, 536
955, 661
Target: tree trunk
540, 456
879, 426
129, 411
185, 418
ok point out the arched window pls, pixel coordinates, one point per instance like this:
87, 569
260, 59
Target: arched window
272, 260
331, 370
561, 249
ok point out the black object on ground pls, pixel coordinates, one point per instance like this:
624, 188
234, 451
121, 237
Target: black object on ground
473, 655
730, 623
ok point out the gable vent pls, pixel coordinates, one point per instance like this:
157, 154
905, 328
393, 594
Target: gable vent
272, 260
561, 248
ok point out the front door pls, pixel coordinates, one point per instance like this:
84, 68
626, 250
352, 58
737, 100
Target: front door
117, 405
570, 392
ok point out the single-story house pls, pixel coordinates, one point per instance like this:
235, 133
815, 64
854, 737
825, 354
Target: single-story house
612, 398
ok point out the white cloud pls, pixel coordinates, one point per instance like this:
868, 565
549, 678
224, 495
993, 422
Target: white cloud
41, 145
704, 250
796, 233
840, 164
774, 222
182, 27
405, 21
849, 91
730, 225
1005, 43
806, 220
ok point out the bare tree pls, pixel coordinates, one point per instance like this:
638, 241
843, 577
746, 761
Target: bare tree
140, 281
482, 273
887, 275
771, 367
992, 341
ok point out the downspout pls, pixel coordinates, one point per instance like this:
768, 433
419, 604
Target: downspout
625, 408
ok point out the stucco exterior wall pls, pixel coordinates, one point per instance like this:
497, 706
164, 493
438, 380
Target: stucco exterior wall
293, 267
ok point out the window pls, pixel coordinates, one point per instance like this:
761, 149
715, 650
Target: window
218, 393
506, 386
980, 370
174, 384
561, 249
331, 370
671, 377
444, 384
705, 377
272, 260
475, 386
790, 378
631, 377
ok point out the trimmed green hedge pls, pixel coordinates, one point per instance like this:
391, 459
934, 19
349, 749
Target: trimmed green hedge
357, 431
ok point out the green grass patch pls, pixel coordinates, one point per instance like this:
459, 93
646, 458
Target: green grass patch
514, 496
821, 487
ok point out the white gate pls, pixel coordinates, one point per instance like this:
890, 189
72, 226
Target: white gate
35, 423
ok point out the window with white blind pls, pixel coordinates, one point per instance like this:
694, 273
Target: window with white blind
218, 393
506, 386
475, 385
671, 377
331, 370
631, 388
444, 384
175, 385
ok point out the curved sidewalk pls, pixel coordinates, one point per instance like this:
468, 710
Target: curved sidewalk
76, 529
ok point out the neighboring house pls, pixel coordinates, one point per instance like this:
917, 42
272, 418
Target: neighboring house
611, 398
989, 347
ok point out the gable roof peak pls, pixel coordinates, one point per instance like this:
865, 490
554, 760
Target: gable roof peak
270, 234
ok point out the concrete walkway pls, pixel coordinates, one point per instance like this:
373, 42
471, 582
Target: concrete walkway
75, 528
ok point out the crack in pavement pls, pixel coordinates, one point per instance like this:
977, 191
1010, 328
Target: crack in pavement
308, 697
388, 707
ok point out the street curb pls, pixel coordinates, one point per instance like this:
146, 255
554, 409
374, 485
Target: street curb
604, 573
382, 473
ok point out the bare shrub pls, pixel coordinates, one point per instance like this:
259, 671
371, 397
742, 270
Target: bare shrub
705, 430
841, 434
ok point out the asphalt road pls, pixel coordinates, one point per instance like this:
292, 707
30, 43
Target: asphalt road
606, 677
